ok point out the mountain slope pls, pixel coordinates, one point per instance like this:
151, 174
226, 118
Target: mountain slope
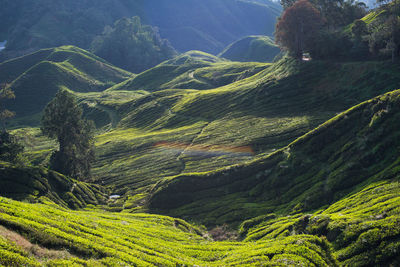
251, 48
37, 77
363, 227
209, 25
190, 131
181, 131
97, 238
353, 149
39, 184
190, 70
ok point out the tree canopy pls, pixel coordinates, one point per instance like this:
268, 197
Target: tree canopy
297, 28
132, 46
62, 120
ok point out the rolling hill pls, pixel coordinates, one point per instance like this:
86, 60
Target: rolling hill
207, 25
98, 238
355, 148
37, 184
189, 130
190, 70
283, 150
37, 77
251, 48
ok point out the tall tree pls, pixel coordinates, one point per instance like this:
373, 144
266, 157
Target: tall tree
62, 120
132, 45
297, 27
5, 93
392, 9
9, 146
337, 13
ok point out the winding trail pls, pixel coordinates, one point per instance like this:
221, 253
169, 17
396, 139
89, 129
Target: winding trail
180, 156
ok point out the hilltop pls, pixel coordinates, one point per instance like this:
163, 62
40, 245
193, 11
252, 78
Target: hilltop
207, 25
190, 70
251, 48
37, 77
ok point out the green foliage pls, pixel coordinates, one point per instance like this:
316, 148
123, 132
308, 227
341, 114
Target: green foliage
37, 77
98, 238
37, 184
191, 70
207, 25
5, 114
10, 148
362, 227
333, 45
354, 148
297, 28
62, 120
132, 46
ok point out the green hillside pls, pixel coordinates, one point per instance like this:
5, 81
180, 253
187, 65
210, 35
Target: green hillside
181, 131
95, 238
363, 228
246, 157
251, 48
190, 70
351, 150
37, 77
187, 131
39, 184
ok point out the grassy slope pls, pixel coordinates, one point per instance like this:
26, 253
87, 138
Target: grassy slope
191, 70
353, 149
37, 77
96, 238
169, 132
264, 112
363, 228
251, 48
38, 184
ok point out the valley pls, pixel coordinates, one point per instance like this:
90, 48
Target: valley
238, 153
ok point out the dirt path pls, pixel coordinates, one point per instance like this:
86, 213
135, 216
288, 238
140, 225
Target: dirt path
36, 250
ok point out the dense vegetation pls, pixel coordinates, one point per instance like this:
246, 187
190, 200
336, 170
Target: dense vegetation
320, 167
294, 162
132, 46
36, 78
340, 30
96, 238
62, 120
207, 25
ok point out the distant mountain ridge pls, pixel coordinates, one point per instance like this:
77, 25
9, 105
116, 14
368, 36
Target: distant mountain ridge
206, 25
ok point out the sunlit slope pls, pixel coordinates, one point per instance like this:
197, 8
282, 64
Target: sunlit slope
251, 48
182, 131
95, 238
37, 77
38, 184
191, 70
353, 149
364, 228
